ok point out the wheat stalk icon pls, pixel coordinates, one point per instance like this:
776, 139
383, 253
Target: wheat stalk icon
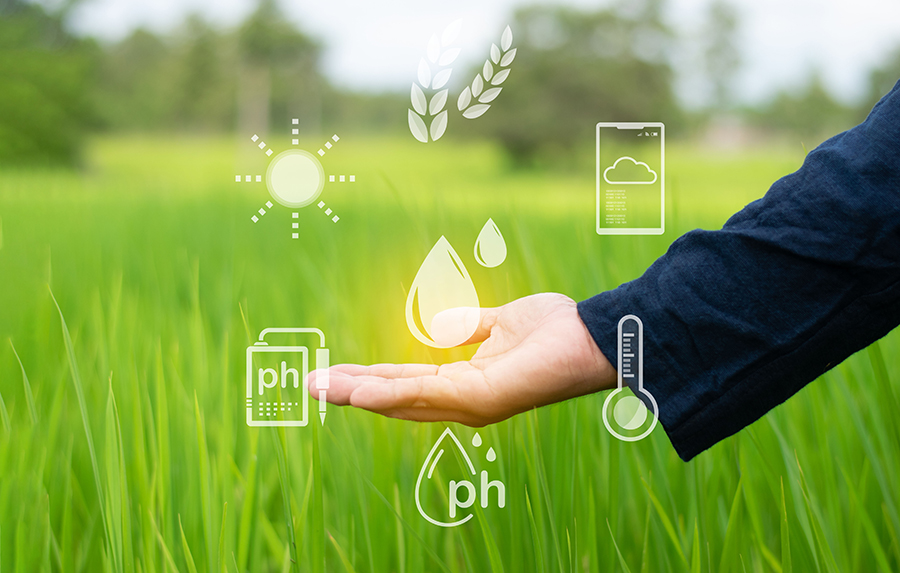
475, 100
428, 96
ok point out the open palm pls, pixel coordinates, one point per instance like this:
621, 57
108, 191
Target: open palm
535, 351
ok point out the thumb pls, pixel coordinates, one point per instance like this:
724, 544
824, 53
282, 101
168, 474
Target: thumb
463, 325
485, 324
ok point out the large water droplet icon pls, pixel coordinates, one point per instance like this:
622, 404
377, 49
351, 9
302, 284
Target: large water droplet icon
442, 451
490, 248
442, 307
476, 439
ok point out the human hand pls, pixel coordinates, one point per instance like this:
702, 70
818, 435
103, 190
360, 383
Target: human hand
535, 351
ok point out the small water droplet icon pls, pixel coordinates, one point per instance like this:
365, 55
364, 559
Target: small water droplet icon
490, 248
491, 455
476, 439
442, 308
441, 451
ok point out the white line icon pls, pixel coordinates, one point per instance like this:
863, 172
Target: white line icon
430, 462
629, 412
455, 488
631, 177
427, 116
294, 178
637, 164
276, 380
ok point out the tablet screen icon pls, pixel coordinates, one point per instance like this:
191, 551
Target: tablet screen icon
630, 195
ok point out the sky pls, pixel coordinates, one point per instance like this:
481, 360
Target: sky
375, 46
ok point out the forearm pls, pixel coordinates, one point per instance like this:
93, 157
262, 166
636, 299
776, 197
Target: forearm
738, 320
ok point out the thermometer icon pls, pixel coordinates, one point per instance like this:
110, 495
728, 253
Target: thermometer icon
629, 413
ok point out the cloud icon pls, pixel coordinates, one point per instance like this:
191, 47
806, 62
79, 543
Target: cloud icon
631, 172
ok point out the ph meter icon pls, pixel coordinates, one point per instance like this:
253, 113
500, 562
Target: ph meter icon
276, 380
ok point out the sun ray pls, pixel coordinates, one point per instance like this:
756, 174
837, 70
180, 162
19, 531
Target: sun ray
261, 144
262, 211
334, 138
328, 211
341, 178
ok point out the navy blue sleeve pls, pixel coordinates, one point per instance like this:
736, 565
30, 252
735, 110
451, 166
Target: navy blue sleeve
738, 320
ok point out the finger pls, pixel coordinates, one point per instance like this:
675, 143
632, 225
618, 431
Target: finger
432, 415
387, 370
340, 386
487, 322
434, 392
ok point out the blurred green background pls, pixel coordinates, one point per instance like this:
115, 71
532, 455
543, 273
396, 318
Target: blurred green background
123, 445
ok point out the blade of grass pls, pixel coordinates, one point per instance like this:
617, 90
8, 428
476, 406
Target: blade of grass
868, 526
878, 467
821, 543
730, 547
489, 541
162, 544
892, 533
285, 481
645, 551
205, 501
786, 565
82, 406
246, 324
317, 527
695, 549
29, 396
406, 524
542, 481
164, 450
67, 543
188, 558
348, 566
248, 509
223, 566
4, 415
401, 544
117, 488
667, 523
535, 536
618, 552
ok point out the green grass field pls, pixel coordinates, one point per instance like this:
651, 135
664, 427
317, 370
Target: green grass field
123, 445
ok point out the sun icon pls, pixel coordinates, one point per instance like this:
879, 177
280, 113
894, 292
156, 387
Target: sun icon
295, 178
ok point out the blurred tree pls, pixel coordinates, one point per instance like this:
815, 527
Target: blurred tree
179, 82
46, 77
205, 92
135, 83
721, 55
279, 74
881, 80
812, 114
580, 68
